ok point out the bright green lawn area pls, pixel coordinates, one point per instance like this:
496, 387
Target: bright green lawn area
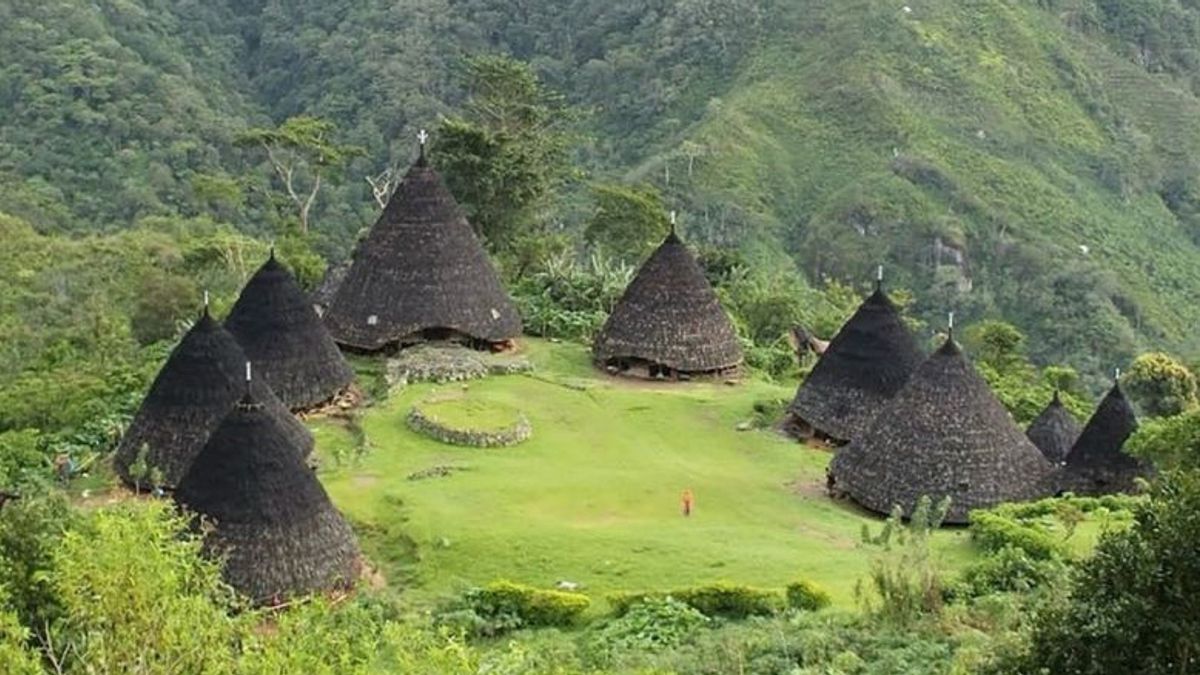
594, 496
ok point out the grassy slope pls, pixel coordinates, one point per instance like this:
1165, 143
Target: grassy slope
1026, 133
594, 496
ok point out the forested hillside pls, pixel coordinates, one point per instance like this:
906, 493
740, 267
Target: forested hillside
1025, 159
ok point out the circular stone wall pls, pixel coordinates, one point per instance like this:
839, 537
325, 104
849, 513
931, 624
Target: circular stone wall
427, 424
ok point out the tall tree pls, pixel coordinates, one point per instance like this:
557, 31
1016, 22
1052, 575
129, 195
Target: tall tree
302, 153
509, 151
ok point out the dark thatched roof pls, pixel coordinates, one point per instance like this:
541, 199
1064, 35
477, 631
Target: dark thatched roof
866, 363
943, 435
273, 522
670, 316
1054, 431
420, 268
203, 377
1096, 463
283, 337
322, 295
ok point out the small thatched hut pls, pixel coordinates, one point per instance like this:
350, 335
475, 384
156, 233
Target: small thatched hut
272, 521
420, 275
863, 367
1096, 463
943, 435
1054, 431
669, 321
201, 380
280, 333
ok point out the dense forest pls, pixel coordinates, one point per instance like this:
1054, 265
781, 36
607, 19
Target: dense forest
1028, 165
1030, 160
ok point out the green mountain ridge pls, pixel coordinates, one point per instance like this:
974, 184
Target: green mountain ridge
1017, 158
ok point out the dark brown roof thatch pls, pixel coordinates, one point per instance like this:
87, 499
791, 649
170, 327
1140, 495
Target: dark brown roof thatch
322, 295
1054, 431
670, 316
420, 268
202, 378
273, 523
943, 435
1096, 463
281, 334
866, 363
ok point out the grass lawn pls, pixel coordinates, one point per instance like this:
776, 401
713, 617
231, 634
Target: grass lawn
594, 496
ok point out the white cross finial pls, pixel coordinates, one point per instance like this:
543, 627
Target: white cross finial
422, 136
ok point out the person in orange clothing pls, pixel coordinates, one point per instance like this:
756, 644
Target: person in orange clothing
687, 501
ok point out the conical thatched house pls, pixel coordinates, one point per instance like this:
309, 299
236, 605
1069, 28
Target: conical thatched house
669, 321
1096, 463
943, 435
272, 521
1054, 431
421, 275
201, 380
277, 328
865, 365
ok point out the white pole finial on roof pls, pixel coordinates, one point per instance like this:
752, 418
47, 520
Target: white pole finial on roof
248, 376
950, 322
206, 299
879, 274
1117, 374
674, 219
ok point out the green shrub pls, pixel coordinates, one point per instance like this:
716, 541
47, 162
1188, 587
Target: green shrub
1009, 570
717, 600
525, 606
648, 626
806, 595
993, 532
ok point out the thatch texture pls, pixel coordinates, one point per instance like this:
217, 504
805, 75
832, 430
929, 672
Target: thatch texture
322, 295
943, 435
284, 338
203, 377
1096, 463
670, 316
1054, 431
272, 521
865, 365
420, 270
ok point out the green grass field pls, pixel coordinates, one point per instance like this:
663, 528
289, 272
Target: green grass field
594, 496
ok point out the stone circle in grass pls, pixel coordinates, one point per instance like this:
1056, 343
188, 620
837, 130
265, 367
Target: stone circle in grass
462, 419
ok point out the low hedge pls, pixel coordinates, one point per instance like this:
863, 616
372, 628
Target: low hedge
806, 596
718, 600
531, 607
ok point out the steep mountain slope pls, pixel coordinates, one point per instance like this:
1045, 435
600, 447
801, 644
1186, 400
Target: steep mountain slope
996, 160
1027, 158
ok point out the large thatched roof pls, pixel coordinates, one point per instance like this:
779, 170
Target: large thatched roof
863, 367
202, 378
670, 316
1054, 431
274, 524
280, 333
1096, 463
420, 268
944, 434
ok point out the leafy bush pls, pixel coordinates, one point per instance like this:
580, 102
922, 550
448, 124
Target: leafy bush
1009, 570
993, 532
504, 606
1160, 385
568, 299
648, 626
806, 595
717, 600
